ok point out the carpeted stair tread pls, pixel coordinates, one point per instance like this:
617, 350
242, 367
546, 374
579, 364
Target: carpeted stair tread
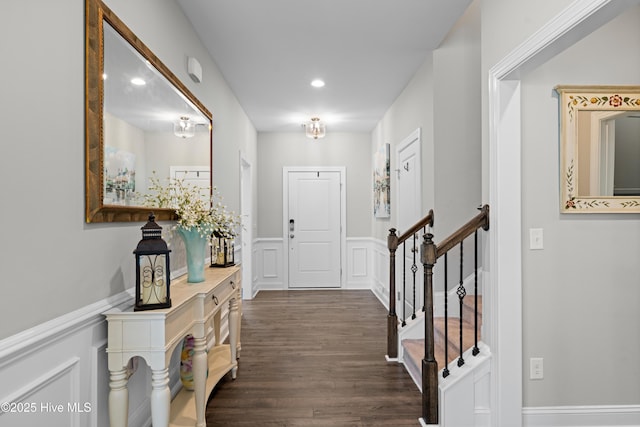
414, 348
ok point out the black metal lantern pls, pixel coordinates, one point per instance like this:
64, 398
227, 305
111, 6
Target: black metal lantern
222, 251
152, 268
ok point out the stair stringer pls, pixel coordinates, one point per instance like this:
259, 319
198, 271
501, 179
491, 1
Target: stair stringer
465, 394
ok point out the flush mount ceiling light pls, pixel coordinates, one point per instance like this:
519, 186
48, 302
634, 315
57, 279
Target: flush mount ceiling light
184, 128
138, 81
317, 83
315, 128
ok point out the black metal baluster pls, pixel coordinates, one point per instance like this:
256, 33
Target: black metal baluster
461, 294
476, 350
424, 231
404, 283
445, 371
414, 269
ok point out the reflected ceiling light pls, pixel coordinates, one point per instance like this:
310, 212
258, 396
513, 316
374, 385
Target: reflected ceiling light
317, 83
315, 128
184, 128
138, 81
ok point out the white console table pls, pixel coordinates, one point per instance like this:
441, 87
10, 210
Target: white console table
197, 309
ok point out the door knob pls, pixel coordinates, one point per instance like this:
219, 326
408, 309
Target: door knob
291, 235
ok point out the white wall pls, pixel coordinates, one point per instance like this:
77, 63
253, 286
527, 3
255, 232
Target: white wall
352, 150
580, 294
457, 125
443, 100
504, 25
53, 262
59, 273
413, 109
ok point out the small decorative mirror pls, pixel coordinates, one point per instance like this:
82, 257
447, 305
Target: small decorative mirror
599, 149
140, 119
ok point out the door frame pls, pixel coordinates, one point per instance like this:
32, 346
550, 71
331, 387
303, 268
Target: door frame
504, 252
414, 138
285, 220
246, 232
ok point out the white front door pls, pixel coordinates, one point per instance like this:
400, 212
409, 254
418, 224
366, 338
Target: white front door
314, 229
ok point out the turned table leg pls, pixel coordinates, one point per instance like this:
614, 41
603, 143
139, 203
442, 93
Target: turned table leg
200, 378
118, 398
234, 318
160, 397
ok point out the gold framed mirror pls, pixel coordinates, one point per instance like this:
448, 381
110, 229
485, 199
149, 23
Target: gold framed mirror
599, 149
139, 120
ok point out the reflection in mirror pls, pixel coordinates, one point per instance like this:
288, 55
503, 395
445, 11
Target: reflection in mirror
140, 119
148, 125
600, 148
608, 153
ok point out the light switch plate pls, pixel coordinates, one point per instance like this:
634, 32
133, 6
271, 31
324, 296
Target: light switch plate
535, 239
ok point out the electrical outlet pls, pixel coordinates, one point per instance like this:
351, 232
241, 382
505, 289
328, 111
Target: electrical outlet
536, 368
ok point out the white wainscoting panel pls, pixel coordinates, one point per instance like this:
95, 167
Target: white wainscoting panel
268, 264
360, 269
52, 368
50, 399
55, 374
380, 271
359, 263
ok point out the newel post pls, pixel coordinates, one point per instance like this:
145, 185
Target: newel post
392, 319
429, 363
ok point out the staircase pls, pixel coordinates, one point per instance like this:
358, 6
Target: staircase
444, 355
413, 349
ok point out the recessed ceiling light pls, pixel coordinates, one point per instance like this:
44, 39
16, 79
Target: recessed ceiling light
317, 83
138, 81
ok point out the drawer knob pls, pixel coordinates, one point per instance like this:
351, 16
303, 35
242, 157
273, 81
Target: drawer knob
233, 284
215, 299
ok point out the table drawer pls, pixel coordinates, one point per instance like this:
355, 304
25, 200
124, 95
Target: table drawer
221, 294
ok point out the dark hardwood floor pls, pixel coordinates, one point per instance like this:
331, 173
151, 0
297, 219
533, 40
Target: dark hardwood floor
315, 358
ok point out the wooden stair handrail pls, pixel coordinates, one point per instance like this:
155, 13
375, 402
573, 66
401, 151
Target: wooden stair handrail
480, 220
427, 220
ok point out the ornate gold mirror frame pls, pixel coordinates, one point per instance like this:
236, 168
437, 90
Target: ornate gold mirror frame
98, 19
599, 149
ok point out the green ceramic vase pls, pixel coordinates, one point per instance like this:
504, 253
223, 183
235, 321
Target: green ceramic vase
196, 245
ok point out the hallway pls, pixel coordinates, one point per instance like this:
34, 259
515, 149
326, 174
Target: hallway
315, 358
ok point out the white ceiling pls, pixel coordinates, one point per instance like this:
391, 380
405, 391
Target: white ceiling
365, 50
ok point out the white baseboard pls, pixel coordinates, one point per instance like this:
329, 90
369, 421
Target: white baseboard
581, 416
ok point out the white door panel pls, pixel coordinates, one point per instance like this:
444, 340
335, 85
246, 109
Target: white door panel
409, 205
409, 185
314, 229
